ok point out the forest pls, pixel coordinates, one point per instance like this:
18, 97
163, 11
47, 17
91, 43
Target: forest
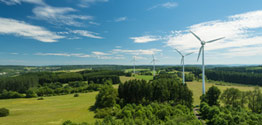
56, 83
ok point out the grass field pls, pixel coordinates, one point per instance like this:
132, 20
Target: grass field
131, 70
145, 77
50, 111
196, 87
123, 79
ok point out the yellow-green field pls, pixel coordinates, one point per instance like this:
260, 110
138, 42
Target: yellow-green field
196, 87
123, 79
145, 77
50, 111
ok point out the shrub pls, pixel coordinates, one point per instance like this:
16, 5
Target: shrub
76, 95
102, 113
106, 97
231, 96
41, 98
212, 96
30, 94
4, 112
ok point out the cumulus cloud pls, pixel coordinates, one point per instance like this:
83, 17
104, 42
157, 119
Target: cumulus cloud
145, 39
167, 5
241, 30
59, 15
86, 33
14, 2
100, 53
20, 28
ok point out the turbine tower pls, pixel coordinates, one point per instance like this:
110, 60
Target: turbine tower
203, 56
134, 64
154, 64
183, 64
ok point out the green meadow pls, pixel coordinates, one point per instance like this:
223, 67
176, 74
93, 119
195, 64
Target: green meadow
50, 111
196, 88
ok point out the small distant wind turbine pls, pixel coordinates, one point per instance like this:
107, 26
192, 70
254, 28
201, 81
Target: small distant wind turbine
203, 56
154, 64
183, 64
134, 62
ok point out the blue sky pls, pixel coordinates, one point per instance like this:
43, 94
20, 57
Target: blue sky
60, 32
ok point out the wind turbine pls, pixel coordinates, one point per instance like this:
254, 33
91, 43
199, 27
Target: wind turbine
134, 62
154, 64
203, 56
183, 63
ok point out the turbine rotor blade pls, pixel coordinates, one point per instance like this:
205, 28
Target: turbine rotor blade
200, 50
179, 52
189, 54
181, 60
215, 40
196, 36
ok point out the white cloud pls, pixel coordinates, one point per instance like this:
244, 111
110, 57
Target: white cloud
241, 30
111, 57
14, 2
86, 3
59, 15
139, 58
94, 23
20, 28
137, 52
54, 15
97, 53
120, 19
165, 5
14, 53
86, 33
243, 51
145, 39
169, 4
64, 54
105, 56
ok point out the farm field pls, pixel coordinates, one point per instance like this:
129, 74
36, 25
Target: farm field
50, 111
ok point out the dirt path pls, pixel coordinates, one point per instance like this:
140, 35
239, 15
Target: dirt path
198, 116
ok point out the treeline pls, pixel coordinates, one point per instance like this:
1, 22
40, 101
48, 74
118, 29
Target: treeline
160, 90
245, 69
241, 75
54, 83
235, 77
239, 107
189, 77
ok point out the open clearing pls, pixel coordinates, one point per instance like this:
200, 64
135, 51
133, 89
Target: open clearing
50, 111
196, 87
